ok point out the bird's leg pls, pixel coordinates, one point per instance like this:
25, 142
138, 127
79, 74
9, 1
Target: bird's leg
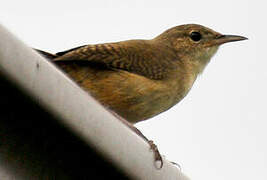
153, 147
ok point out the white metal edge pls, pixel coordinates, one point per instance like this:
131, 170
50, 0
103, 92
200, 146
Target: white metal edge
80, 112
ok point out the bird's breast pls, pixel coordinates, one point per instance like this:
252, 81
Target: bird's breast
132, 96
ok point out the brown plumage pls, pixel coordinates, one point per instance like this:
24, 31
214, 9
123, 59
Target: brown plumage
139, 79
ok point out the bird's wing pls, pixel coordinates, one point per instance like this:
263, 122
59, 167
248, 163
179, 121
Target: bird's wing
116, 56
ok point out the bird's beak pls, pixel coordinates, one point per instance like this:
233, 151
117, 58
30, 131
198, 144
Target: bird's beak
228, 38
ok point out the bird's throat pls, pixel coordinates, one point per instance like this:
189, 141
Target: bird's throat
199, 60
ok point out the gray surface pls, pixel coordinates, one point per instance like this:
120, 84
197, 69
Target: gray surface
79, 112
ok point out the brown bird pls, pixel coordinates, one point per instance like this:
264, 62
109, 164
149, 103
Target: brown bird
138, 79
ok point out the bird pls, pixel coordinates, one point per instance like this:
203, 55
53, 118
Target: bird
139, 79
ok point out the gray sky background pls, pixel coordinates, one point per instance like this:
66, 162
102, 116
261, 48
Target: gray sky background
219, 130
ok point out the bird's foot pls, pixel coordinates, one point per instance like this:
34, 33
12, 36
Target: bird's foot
178, 165
153, 147
157, 155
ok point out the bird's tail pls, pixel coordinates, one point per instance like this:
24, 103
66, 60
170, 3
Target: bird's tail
46, 54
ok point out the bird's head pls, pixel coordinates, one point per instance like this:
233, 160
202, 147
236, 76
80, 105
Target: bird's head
195, 43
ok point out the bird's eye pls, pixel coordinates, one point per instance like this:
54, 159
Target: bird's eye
195, 36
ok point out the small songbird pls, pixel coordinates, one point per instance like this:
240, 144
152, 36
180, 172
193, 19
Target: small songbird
138, 79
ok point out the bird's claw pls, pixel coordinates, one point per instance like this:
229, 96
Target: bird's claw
157, 155
178, 165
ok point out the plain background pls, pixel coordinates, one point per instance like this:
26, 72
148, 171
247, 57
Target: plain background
219, 130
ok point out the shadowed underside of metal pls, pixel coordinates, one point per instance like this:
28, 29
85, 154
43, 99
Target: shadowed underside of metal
51, 129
